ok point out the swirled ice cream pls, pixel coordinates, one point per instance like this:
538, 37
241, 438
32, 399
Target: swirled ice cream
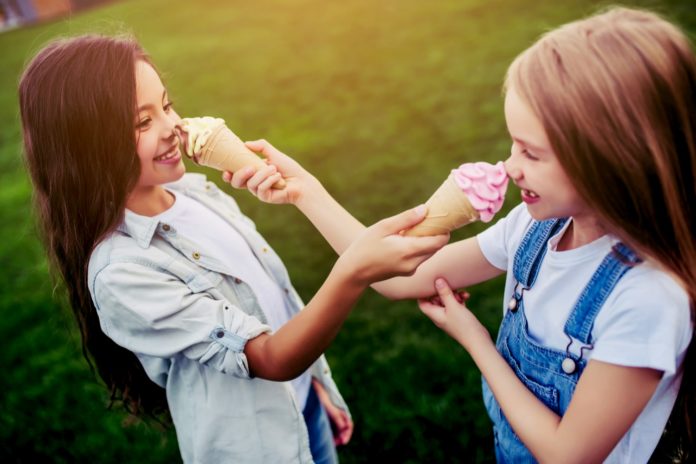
472, 192
209, 142
484, 185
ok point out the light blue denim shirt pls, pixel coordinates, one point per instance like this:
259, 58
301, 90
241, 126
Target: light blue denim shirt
187, 318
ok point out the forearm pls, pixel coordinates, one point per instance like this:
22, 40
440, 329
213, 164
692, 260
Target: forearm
292, 349
332, 220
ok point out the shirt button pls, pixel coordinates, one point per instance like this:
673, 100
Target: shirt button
286, 290
264, 249
196, 255
165, 227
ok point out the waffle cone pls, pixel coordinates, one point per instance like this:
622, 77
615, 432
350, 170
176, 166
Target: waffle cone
448, 209
225, 151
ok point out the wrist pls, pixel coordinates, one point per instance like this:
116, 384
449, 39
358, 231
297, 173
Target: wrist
310, 194
348, 276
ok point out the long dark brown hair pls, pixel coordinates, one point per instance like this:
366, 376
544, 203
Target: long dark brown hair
78, 108
616, 94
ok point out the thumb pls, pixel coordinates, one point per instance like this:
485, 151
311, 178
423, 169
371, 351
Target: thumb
404, 220
444, 291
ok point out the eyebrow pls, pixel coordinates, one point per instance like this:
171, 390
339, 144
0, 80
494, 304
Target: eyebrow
530, 145
148, 105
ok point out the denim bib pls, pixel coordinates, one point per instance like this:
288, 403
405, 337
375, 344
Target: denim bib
548, 373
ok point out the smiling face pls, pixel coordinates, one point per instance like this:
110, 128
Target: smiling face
534, 168
156, 140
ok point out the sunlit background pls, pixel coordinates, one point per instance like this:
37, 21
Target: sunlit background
379, 99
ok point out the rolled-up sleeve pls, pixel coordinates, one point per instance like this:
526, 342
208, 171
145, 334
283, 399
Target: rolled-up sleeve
152, 312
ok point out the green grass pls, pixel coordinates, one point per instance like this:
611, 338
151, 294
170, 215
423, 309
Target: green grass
379, 99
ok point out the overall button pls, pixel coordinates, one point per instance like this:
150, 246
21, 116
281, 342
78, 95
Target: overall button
165, 227
512, 305
220, 334
196, 255
568, 366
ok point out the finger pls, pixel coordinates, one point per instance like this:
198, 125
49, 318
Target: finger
429, 245
241, 177
434, 312
260, 176
444, 291
347, 433
401, 221
261, 146
227, 176
265, 187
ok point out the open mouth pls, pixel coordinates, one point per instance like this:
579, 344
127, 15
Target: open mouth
529, 197
529, 193
169, 154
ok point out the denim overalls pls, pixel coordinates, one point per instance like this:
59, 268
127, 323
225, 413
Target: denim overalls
548, 373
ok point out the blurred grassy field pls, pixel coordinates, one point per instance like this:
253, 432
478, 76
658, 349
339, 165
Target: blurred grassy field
379, 99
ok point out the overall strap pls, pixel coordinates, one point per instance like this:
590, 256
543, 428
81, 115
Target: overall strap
532, 249
613, 267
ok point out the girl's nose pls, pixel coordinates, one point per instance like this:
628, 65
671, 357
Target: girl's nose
512, 168
172, 122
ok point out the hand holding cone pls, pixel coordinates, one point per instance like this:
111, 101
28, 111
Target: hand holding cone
209, 142
474, 191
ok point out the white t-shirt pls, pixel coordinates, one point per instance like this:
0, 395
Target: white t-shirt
645, 321
218, 238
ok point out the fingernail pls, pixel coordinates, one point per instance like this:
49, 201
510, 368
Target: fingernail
440, 283
420, 210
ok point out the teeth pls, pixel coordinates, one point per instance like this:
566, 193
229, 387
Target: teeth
166, 156
530, 194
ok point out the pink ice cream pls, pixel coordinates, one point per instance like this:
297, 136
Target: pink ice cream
484, 185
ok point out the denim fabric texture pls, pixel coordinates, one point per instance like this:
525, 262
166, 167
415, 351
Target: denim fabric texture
548, 373
321, 442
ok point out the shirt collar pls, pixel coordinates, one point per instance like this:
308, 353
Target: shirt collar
141, 228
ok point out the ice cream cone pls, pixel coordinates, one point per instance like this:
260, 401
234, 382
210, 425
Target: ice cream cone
448, 208
221, 149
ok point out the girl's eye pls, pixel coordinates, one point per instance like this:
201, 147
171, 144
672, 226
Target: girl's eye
168, 106
528, 154
143, 123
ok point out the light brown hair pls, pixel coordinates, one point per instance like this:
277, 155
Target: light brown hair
616, 95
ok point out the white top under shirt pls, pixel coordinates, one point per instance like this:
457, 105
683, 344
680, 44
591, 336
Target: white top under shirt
218, 238
645, 321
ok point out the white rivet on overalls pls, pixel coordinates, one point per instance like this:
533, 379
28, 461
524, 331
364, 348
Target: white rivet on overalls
512, 305
568, 366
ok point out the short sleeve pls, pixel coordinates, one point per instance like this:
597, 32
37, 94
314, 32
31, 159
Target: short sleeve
645, 322
151, 312
500, 241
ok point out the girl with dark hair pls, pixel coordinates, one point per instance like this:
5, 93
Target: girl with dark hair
600, 258
182, 306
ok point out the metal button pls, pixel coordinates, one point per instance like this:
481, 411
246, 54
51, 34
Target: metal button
196, 255
568, 366
165, 227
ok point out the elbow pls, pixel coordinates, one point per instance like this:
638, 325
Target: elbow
389, 294
264, 363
